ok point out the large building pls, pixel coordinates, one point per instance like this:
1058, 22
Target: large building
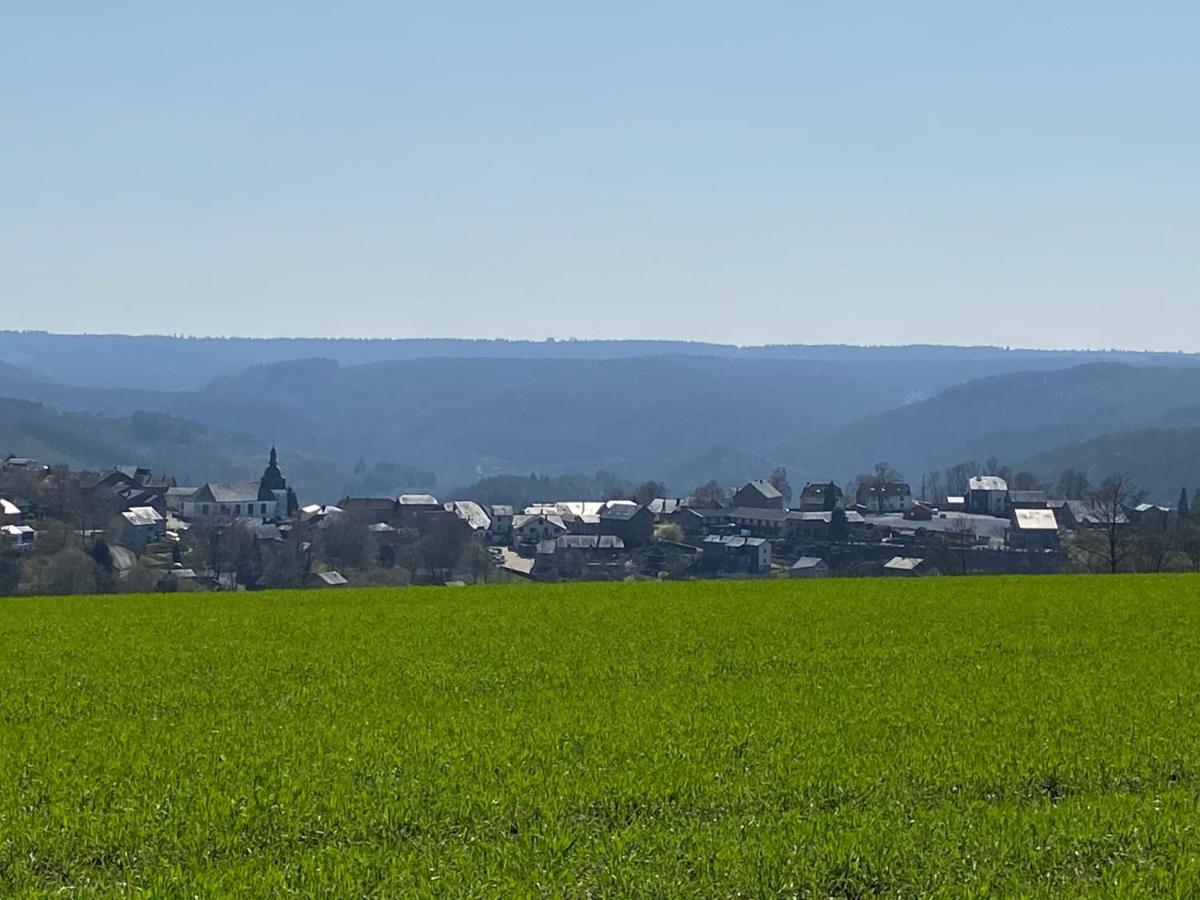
268, 498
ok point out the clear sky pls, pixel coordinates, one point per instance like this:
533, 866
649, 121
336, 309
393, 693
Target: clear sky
1023, 173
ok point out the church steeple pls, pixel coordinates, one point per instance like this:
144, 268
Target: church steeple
274, 462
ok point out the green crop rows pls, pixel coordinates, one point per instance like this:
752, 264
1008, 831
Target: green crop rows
981, 736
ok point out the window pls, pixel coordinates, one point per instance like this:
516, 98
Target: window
204, 509
237, 510
264, 509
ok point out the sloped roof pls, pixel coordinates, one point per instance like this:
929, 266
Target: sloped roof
231, 491
1035, 519
987, 483
417, 500
142, 516
471, 513
808, 562
903, 563
333, 579
765, 488
523, 520
620, 510
8, 508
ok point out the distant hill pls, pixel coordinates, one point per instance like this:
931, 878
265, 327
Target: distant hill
1011, 417
385, 416
84, 440
170, 363
1161, 460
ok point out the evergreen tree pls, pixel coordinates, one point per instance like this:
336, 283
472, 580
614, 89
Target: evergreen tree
1184, 508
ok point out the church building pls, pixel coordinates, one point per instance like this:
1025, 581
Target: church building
267, 498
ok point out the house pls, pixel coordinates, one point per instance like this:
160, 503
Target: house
18, 537
328, 579
12, 463
817, 527
501, 516
530, 530
1028, 500
908, 566
10, 513
956, 503
1151, 518
733, 553
820, 497
809, 567
631, 522
662, 508
891, 497
474, 515
1033, 529
267, 498
411, 507
696, 521
987, 495
374, 509
759, 495
143, 525
177, 496
759, 522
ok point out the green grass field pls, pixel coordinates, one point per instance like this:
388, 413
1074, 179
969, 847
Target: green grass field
964, 737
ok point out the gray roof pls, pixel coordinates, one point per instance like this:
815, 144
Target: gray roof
664, 506
333, 579
417, 500
620, 511
142, 516
768, 490
471, 513
903, 563
233, 491
987, 483
808, 562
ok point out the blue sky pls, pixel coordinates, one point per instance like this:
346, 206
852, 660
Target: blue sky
1021, 174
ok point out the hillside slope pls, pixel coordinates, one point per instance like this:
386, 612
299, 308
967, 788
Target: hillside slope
1011, 417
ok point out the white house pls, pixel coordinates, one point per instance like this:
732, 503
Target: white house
10, 513
530, 529
19, 537
987, 495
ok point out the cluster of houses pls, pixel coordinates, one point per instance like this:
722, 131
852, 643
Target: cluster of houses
752, 531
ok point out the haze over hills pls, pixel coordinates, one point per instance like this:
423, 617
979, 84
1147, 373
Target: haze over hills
384, 416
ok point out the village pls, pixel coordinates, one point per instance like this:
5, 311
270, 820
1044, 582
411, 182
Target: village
129, 529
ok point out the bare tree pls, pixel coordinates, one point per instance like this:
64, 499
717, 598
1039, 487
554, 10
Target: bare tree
958, 477
649, 490
1109, 545
1073, 485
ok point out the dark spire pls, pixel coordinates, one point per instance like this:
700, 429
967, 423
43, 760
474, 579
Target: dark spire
274, 462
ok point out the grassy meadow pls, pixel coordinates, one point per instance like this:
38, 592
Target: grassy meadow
961, 737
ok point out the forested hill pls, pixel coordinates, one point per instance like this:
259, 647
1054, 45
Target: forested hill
1161, 460
1013, 417
181, 363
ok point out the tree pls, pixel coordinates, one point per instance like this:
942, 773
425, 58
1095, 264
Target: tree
958, 477
1073, 485
1112, 502
1025, 481
1183, 508
649, 490
709, 493
881, 473
839, 529
779, 481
